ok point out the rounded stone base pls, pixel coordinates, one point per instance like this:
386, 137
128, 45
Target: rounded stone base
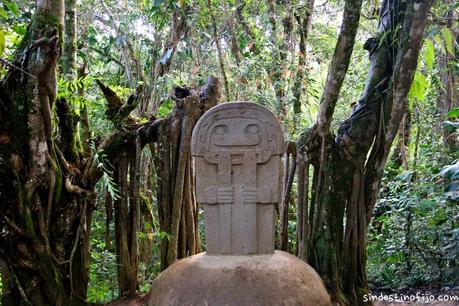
217, 280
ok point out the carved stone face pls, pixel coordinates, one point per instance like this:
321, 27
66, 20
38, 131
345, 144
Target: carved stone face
236, 128
237, 134
237, 150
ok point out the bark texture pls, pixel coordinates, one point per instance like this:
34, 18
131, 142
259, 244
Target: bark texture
304, 24
46, 209
448, 96
170, 139
216, 37
46, 190
282, 45
289, 175
348, 168
162, 62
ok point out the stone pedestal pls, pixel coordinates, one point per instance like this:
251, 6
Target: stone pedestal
217, 280
237, 149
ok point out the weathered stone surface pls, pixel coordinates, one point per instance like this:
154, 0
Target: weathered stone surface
216, 280
237, 149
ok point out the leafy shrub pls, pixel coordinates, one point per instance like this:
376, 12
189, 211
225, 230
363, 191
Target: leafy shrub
414, 237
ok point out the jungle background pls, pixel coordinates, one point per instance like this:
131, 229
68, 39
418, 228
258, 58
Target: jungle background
132, 77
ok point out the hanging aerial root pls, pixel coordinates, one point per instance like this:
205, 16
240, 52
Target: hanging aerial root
290, 169
70, 187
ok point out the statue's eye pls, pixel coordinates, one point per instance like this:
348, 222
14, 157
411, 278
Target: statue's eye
220, 130
252, 129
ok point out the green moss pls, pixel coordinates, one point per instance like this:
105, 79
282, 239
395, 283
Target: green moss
341, 299
25, 212
58, 187
58, 183
361, 291
146, 201
42, 23
146, 207
78, 144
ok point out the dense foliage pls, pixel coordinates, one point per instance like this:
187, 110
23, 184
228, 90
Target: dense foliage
413, 240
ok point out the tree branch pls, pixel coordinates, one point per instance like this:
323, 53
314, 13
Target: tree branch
339, 65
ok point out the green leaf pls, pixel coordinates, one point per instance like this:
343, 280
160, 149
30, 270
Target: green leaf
438, 41
92, 41
449, 41
19, 29
13, 8
419, 87
429, 54
91, 30
2, 43
453, 113
3, 13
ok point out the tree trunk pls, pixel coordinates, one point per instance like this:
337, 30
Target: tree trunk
46, 216
447, 93
171, 139
290, 169
47, 193
131, 63
400, 154
302, 233
216, 38
348, 169
69, 68
281, 42
304, 25
69, 140
161, 64
84, 120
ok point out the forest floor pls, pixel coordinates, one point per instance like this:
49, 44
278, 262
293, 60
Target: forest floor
139, 300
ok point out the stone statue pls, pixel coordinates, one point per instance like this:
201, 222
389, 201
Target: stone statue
237, 149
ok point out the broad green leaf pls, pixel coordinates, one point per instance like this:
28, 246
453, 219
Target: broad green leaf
449, 41
453, 113
3, 13
438, 40
2, 43
419, 87
19, 29
429, 54
13, 8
